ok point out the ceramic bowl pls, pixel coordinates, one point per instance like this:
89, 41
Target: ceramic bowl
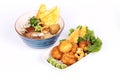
22, 21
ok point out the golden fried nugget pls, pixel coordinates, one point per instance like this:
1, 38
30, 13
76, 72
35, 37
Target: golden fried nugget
65, 46
68, 58
74, 47
56, 54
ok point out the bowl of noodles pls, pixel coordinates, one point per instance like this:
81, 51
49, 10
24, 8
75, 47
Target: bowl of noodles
40, 29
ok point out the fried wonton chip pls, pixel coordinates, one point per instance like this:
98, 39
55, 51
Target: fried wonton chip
76, 34
82, 31
52, 17
41, 10
48, 17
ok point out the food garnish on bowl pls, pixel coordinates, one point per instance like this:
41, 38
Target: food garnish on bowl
40, 29
44, 24
79, 43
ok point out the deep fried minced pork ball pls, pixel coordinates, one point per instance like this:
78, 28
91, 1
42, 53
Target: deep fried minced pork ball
68, 58
84, 45
55, 53
65, 46
54, 28
74, 47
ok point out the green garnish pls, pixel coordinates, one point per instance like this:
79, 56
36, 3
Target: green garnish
79, 27
96, 46
89, 35
80, 39
51, 60
71, 31
63, 66
38, 28
62, 40
96, 42
56, 64
34, 21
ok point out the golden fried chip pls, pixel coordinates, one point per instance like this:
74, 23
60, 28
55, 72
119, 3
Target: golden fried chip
41, 10
76, 34
51, 16
82, 31
48, 17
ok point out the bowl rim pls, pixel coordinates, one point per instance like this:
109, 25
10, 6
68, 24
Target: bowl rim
38, 39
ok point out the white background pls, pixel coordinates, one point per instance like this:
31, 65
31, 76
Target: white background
20, 62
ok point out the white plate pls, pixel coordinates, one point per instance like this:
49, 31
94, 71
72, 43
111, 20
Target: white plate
102, 22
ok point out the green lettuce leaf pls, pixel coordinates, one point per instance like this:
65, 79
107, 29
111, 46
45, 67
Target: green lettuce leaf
96, 46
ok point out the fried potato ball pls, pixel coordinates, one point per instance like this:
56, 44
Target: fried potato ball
65, 46
68, 58
74, 47
56, 54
